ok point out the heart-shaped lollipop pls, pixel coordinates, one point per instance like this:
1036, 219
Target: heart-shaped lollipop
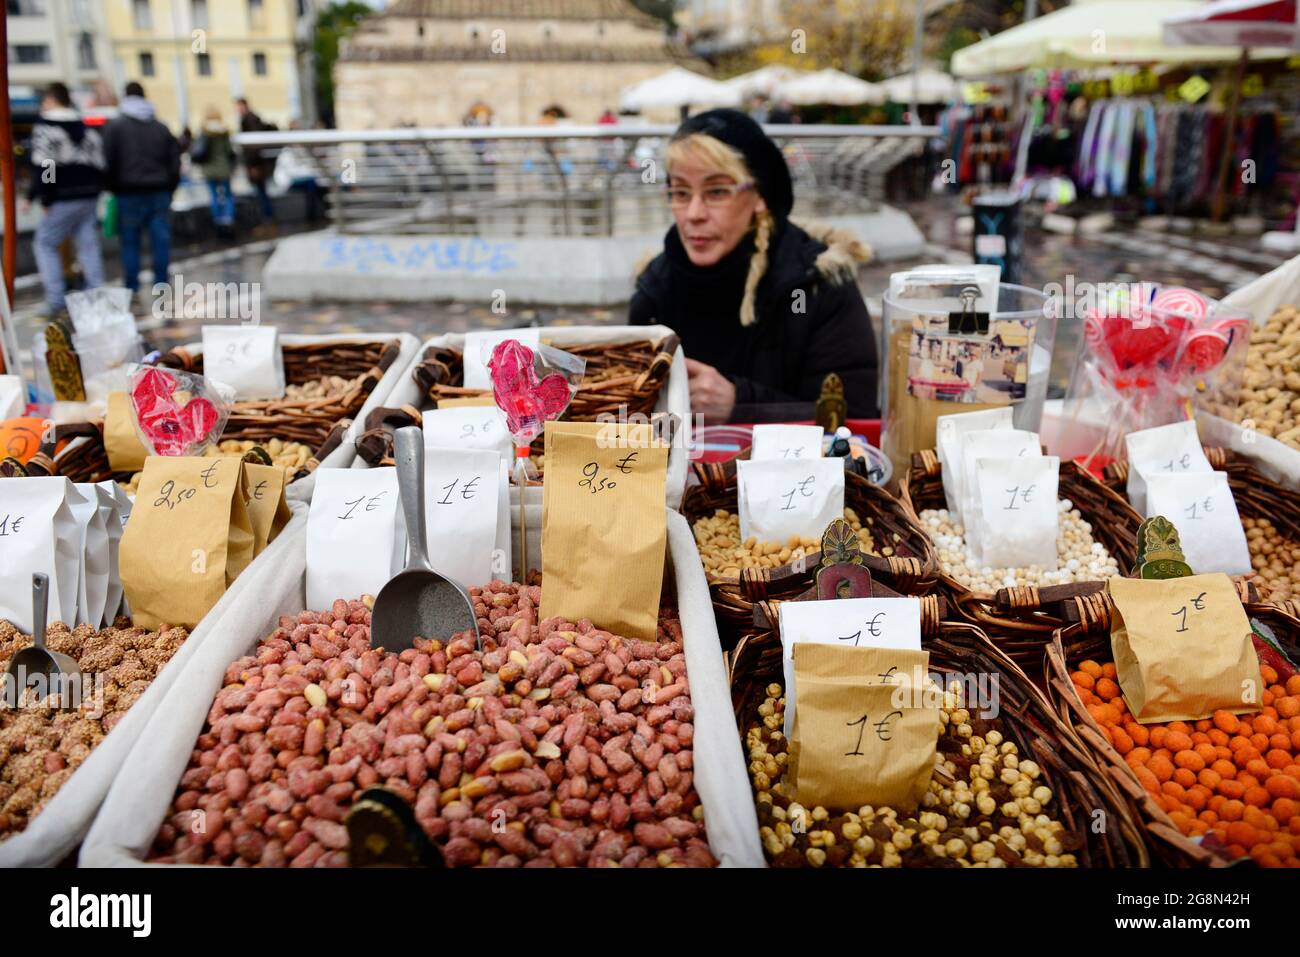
527, 400
170, 424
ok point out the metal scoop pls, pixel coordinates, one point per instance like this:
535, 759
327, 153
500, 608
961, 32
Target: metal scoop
417, 602
36, 665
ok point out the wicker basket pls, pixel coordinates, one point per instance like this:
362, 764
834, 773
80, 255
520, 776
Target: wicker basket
1256, 496
317, 423
1089, 637
308, 421
911, 570
1027, 717
622, 375
1017, 619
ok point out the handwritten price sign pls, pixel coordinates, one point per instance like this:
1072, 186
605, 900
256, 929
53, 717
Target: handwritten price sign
893, 623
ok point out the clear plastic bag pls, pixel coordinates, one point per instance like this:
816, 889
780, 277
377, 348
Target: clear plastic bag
1150, 359
532, 386
178, 413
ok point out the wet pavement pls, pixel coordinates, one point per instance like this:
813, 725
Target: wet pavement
1121, 254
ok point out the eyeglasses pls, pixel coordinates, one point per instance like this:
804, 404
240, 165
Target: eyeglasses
680, 197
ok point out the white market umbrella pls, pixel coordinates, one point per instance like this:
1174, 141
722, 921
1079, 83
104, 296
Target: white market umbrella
1091, 33
764, 80
678, 88
829, 86
1239, 23
935, 87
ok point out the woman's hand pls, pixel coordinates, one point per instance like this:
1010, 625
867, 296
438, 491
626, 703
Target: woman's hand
712, 394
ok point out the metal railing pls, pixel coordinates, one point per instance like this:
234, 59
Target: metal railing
557, 181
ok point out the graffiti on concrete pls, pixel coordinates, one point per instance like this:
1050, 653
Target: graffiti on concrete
364, 255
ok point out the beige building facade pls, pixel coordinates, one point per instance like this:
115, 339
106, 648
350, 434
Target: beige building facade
192, 54
428, 62
62, 40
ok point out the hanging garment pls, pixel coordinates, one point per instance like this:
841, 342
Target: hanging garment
1150, 138
1083, 168
1103, 148
1121, 149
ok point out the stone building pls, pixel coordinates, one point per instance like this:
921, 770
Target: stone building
428, 62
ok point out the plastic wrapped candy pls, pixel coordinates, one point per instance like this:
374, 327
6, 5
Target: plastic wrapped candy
178, 413
532, 386
1152, 354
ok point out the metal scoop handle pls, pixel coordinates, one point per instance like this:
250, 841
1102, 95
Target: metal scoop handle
408, 455
40, 608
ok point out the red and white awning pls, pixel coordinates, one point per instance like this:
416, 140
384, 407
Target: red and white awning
1237, 23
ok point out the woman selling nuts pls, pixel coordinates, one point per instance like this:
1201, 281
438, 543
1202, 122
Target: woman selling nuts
765, 308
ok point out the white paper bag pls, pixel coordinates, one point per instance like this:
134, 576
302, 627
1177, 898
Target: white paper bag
352, 530
110, 509
92, 586
467, 427
781, 498
1201, 506
1017, 513
848, 622
1164, 450
462, 502
478, 350
246, 358
38, 533
948, 430
13, 397
989, 443
786, 442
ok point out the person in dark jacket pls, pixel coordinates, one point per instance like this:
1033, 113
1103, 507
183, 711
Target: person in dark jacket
144, 168
764, 307
67, 160
259, 164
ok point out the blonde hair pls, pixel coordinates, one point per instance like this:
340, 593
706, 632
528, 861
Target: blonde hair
718, 156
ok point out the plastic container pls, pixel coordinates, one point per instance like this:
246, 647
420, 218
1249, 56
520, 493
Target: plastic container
930, 372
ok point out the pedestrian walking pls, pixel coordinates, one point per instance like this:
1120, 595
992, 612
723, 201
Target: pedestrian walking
67, 176
144, 167
259, 163
213, 154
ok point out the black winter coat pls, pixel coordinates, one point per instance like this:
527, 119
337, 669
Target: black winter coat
810, 320
143, 156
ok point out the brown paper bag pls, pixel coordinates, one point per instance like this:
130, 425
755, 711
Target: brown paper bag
1182, 648
188, 538
126, 453
604, 528
267, 509
864, 733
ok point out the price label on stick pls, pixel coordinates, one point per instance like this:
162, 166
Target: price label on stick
867, 726
246, 358
1014, 521
1201, 506
604, 528
782, 498
354, 536
786, 442
461, 502
466, 427
1182, 648
847, 623
1165, 450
